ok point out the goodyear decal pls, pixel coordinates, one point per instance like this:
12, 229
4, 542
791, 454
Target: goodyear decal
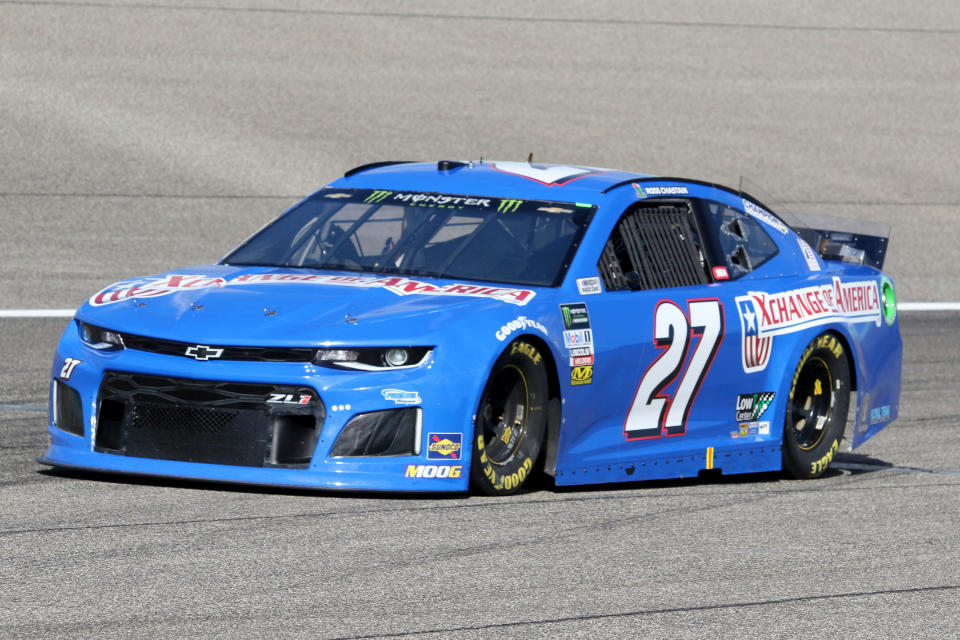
709, 458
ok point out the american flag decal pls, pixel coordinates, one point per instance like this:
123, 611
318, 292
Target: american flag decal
756, 348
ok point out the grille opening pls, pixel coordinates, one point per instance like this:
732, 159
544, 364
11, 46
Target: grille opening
294, 439
379, 433
216, 422
196, 434
110, 425
67, 409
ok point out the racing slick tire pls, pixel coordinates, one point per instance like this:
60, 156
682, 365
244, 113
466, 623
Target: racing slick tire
816, 407
511, 421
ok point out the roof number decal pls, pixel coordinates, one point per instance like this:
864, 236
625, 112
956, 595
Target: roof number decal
546, 174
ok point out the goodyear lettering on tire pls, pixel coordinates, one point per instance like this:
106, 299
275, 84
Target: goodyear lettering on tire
513, 480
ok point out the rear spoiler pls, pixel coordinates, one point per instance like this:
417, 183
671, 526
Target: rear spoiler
856, 241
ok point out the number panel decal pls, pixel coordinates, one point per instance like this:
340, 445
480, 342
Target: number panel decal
646, 413
653, 413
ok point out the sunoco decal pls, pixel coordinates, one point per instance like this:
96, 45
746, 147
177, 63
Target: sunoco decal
765, 315
444, 446
152, 287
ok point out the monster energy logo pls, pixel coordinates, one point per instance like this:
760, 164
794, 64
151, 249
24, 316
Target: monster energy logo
509, 206
575, 316
377, 196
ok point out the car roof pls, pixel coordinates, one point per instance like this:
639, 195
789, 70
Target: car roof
532, 181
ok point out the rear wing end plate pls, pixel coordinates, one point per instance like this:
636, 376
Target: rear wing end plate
857, 241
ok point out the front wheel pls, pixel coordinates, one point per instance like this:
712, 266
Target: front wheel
816, 408
511, 421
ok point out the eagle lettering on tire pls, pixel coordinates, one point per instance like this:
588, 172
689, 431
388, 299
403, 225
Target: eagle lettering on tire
511, 420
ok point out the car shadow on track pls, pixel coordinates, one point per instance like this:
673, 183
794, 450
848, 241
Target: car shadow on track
844, 463
232, 487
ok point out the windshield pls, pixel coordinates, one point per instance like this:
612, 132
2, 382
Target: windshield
423, 234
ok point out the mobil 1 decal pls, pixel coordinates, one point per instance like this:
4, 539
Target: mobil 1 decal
578, 338
659, 406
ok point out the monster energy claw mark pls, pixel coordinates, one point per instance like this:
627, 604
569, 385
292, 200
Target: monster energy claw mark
377, 196
509, 206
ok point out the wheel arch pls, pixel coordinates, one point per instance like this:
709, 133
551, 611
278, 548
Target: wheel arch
548, 452
851, 361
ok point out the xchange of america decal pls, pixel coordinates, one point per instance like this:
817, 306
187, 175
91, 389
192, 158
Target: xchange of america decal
764, 315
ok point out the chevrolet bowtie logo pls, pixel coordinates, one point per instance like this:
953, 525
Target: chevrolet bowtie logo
203, 352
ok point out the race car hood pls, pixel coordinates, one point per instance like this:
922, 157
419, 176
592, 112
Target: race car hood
263, 306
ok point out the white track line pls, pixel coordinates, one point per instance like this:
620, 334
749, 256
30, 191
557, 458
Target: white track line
68, 313
37, 313
928, 306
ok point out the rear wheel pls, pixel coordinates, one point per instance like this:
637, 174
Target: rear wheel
816, 408
511, 421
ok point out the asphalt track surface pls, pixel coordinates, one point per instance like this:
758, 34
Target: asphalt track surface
141, 136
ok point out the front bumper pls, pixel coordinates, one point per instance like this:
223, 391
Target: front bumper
344, 394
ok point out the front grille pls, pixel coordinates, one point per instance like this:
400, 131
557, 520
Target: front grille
218, 422
192, 419
242, 354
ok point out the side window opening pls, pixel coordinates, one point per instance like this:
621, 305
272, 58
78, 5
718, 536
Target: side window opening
656, 244
741, 244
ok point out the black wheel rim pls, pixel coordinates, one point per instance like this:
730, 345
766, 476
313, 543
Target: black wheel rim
811, 404
503, 414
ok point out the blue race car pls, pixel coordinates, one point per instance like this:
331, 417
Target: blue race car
442, 326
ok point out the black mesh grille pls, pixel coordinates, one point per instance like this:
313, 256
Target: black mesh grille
187, 419
656, 245
219, 422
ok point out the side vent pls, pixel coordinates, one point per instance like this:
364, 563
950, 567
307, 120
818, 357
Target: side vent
655, 245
